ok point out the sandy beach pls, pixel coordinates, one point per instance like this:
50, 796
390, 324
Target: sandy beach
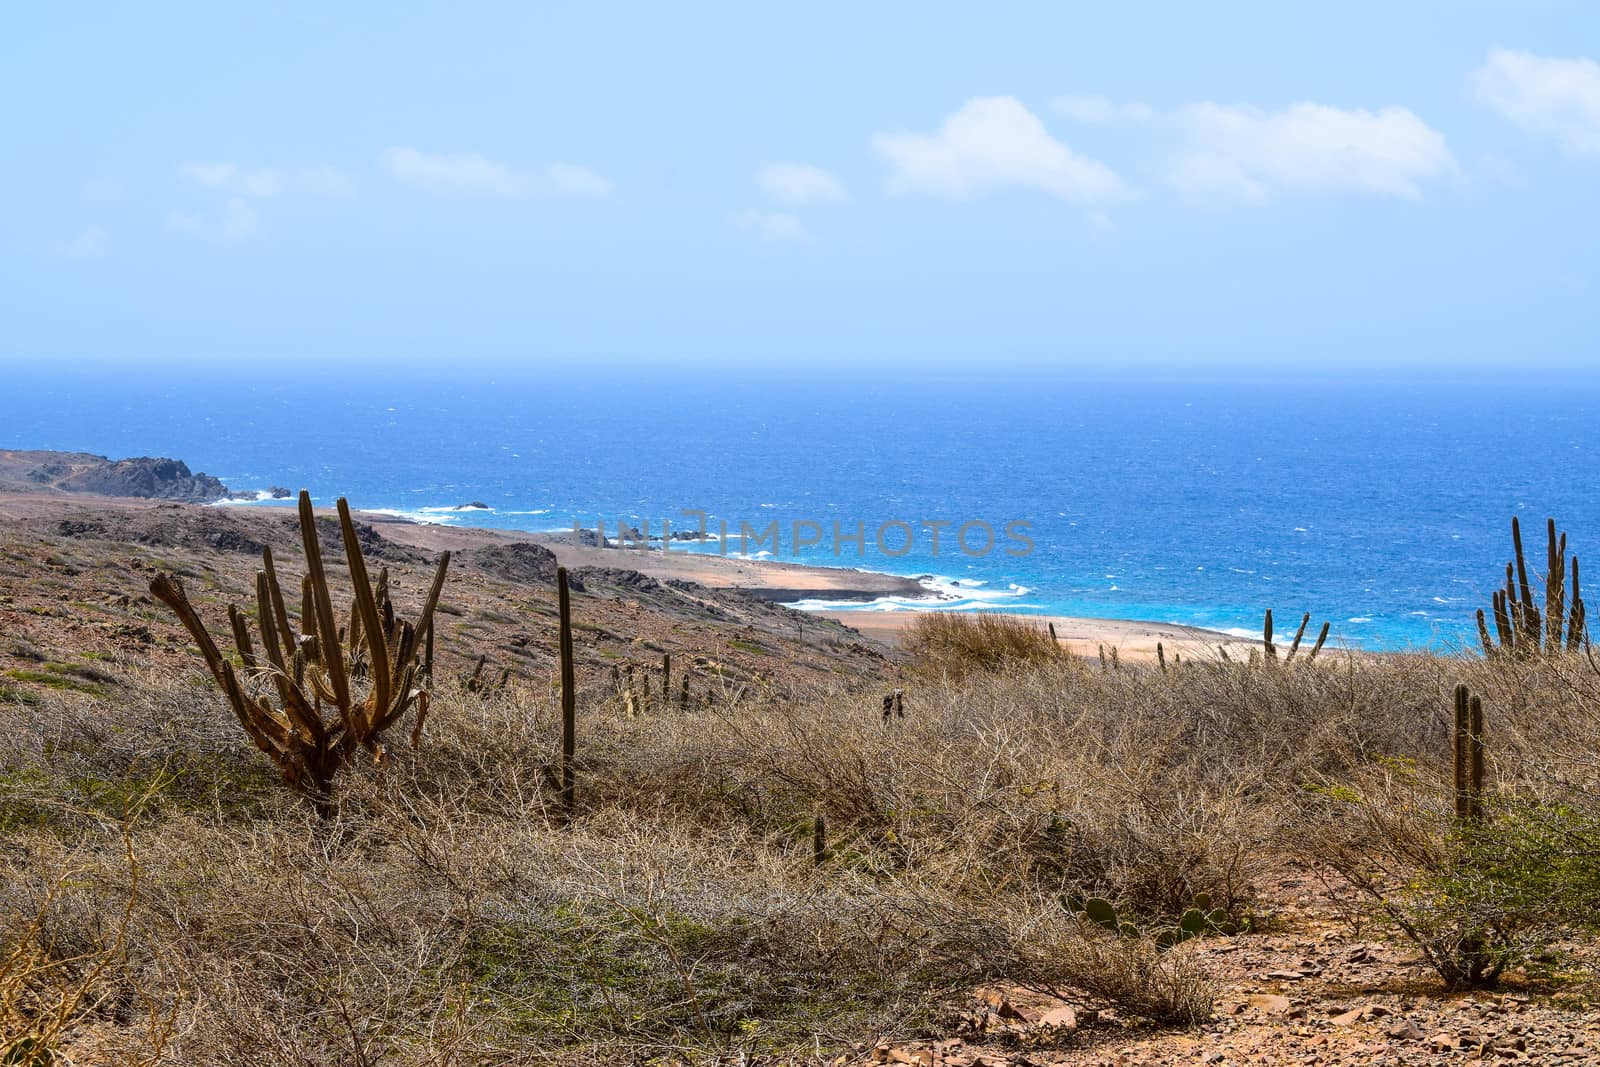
1133, 640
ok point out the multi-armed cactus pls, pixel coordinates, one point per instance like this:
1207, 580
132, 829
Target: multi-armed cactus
1299, 635
319, 664
1521, 628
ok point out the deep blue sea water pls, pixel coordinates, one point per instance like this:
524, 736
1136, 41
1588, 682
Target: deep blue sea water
1383, 507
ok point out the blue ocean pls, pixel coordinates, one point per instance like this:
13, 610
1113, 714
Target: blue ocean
1383, 507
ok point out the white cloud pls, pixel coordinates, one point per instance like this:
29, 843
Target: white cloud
469, 174
1099, 109
772, 226
236, 223
89, 244
1546, 96
994, 143
800, 183
263, 182
1244, 153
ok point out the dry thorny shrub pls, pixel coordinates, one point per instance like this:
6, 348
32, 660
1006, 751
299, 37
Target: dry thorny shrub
56, 968
954, 644
1475, 896
443, 918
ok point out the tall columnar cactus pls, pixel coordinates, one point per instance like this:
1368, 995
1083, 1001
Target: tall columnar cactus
1522, 629
1467, 749
569, 701
318, 665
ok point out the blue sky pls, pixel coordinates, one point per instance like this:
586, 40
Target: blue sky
896, 185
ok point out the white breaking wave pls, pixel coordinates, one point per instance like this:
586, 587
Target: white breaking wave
944, 594
248, 497
425, 516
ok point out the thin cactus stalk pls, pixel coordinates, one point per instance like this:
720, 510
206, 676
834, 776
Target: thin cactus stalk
314, 667
1266, 637
475, 679
1299, 635
427, 655
569, 702
1161, 656
1576, 621
1467, 751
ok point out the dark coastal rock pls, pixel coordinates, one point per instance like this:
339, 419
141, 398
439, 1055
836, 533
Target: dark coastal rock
476, 505
278, 492
521, 561
373, 544
200, 528
153, 478
147, 477
169, 526
615, 580
81, 528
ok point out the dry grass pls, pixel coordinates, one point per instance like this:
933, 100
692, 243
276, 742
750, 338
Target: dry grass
955, 643
443, 917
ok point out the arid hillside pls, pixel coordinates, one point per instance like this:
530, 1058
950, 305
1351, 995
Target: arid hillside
1026, 857
74, 578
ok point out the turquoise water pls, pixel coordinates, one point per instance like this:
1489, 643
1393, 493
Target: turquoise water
1382, 507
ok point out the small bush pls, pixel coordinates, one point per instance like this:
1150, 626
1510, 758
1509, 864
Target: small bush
1134, 973
1475, 897
953, 643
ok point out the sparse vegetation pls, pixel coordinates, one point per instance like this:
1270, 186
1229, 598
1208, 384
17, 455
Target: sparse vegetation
954, 643
568, 873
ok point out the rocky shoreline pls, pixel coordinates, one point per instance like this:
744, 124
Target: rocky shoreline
139, 477
119, 484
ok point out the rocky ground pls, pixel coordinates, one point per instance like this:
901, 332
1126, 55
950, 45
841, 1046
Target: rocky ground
1308, 989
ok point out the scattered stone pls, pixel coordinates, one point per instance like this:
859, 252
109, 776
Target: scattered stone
1270, 1003
1405, 1030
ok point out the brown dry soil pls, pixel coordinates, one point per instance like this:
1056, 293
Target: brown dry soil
1307, 989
